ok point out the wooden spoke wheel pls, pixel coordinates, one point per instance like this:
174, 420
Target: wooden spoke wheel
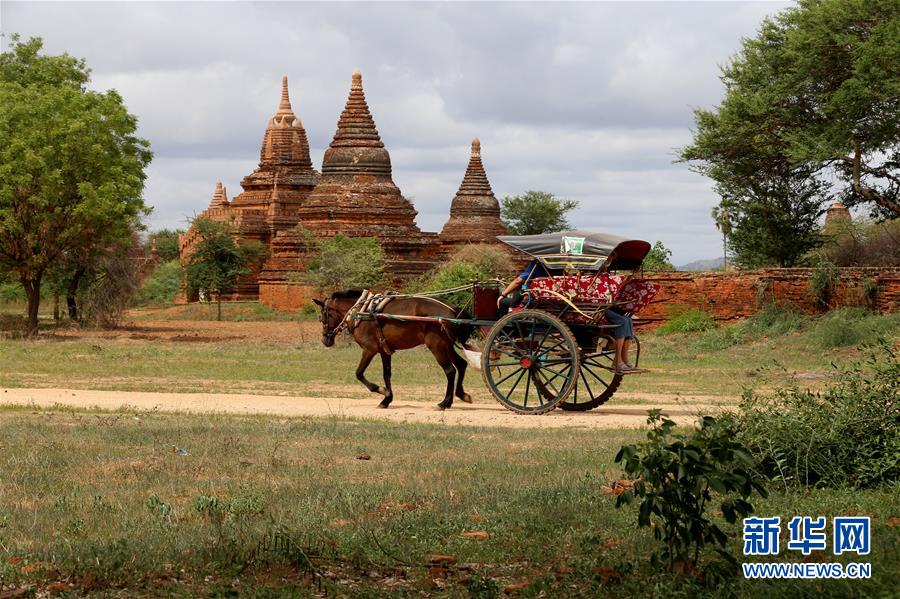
530, 361
597, 378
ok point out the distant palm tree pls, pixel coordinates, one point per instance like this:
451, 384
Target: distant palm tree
721, 214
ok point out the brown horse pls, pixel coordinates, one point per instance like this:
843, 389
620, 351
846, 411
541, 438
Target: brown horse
384, 335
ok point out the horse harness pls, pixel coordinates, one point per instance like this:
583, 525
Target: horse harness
370, 306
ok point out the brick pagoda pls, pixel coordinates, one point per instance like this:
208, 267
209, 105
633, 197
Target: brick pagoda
474, 212
355, 195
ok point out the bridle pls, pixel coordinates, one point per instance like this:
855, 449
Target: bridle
345, 321
323, 318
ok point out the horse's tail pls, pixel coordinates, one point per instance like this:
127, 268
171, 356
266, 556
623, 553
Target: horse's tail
464, 330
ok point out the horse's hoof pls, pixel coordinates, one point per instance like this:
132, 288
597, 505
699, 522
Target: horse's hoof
383, 406
466, 398
442, 406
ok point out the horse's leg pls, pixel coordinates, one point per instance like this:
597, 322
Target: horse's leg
438, 346
461, 365
364, 362
388, 392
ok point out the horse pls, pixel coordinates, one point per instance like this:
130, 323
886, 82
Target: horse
385, 335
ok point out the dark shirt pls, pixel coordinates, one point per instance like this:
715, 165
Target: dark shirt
534, 270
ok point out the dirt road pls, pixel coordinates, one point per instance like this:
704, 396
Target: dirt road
483, 413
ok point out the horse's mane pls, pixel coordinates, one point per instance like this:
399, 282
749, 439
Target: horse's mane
348, 294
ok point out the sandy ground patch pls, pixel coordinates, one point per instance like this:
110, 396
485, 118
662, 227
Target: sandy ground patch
199, 331
484, 413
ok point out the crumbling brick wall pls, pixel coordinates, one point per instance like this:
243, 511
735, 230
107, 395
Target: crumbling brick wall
734, 295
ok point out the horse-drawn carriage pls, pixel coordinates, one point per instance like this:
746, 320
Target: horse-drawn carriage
556, 348
553, 348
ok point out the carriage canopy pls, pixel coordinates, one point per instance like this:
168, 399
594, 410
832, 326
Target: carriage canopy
581, 250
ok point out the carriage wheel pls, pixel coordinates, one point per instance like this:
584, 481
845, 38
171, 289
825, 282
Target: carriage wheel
530, 361
597, 378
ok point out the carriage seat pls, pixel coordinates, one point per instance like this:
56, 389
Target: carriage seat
588, 292
579, 289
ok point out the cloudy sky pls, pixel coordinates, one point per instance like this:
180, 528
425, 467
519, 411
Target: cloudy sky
587, 100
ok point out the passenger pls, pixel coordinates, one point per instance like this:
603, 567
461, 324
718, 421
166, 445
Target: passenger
622, 334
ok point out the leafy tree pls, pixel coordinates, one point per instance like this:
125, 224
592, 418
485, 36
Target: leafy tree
71, 166
658, 259
217, 261
160, 287
815, 94
110, 283
535, 212
166, 242
340, 262
721, 214
775, 222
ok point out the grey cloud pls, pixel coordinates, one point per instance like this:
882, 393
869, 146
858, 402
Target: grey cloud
586, 100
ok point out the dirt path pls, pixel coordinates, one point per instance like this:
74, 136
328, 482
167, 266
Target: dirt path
483, 413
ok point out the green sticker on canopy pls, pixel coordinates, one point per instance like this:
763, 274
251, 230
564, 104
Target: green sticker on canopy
572, 245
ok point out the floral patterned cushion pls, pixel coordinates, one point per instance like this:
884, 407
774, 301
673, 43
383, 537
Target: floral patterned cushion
591, 290
636, 295
584, 289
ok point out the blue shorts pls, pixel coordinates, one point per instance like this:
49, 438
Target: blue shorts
625, 330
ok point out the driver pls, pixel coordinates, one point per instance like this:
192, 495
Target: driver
512, 295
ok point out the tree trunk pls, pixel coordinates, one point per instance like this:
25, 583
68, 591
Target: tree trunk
218, 306
725, 253
33, 292
866, 192
72, 293
56, 314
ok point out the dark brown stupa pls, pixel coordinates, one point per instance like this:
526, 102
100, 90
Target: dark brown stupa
356, 195
474, 212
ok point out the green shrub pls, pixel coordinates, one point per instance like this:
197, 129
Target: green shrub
677, 476
852, 326
471, 263
773, 321
718, 338
687, 321
846, 435
822, 281
160, 287
338, 263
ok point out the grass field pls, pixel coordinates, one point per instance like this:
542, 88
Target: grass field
104, 504
102, 501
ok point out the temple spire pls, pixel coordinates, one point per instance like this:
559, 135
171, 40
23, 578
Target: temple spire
285, 98
474, 212
356, 127
285, 116
220, 197
475, 181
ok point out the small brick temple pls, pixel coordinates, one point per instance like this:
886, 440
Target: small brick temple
355, 195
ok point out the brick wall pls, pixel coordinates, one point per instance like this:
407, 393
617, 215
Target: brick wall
727, 296
733, 295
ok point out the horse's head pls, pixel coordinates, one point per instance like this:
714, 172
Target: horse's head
332, 312
330, 318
